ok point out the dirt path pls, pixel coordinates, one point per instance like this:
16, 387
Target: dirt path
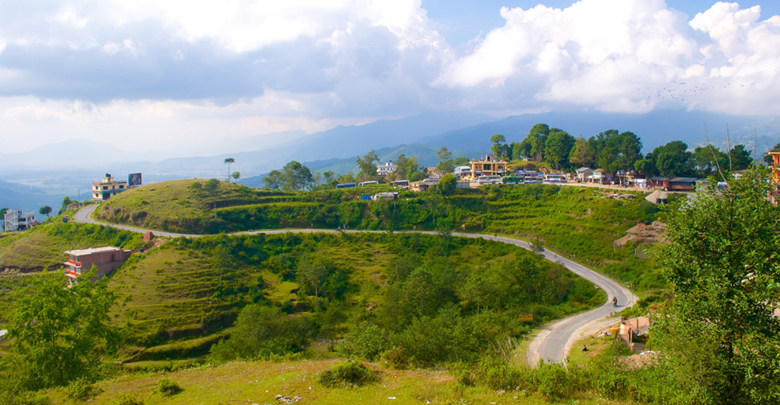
552, 344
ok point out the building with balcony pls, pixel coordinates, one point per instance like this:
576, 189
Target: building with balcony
490, 166
106, 259
385, 169
107, 188
16, 220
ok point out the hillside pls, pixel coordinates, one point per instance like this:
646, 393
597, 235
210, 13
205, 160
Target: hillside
581, 222
187, 290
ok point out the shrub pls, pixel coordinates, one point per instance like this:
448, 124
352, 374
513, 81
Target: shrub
81, 390
347, 374
498, 375
395, 358
167, 387
128, 399
366, 341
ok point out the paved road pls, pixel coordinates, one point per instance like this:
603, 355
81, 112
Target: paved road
552, 343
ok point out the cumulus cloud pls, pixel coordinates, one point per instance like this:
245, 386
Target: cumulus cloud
629, 56
175, 69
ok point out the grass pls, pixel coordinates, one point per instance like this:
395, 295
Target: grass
581, 222
43, 245
259, 382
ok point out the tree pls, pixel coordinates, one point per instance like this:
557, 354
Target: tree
367, 164
461, 161
312, 273
45, 210
406, 167
328, 175
533, 144
212, 187
672, 159
261, 331
66, 201
296, 176
558, 148
740, 158
59, 334
447, 184
273, 180
446, 164
619, 151
582, 154
499, 148
718, 333
236, 176
708, 161
228, 162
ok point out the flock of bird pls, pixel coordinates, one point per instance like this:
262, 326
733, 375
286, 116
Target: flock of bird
680, 90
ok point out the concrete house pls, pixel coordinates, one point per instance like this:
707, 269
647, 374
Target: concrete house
584, 174
107, 188
106, 259
385, 169
16, 220
490, 166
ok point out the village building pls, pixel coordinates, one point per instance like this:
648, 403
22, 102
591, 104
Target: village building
106, 259
490, 166
16, 220
683, 184
659, 182
584, 174
107, 188
385, 169
601, 176
462, 172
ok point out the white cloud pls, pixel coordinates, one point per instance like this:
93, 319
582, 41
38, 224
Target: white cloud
630, 56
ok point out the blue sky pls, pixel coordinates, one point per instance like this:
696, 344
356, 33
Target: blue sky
461, 21
182, 74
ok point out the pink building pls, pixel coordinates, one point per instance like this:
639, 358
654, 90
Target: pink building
106, 259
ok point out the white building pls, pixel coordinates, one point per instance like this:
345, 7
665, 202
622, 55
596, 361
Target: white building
462, 171
385, 169
15, 220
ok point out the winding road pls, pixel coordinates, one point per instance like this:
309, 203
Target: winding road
552, 344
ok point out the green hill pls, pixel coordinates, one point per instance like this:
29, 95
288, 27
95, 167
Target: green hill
191, 288
580, 222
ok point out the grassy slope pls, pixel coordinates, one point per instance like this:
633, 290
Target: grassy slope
43, 245
579, 222
259, 382
170, 293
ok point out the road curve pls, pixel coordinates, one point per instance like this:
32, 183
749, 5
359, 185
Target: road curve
551, 344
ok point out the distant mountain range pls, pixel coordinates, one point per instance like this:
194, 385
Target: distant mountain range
67, 167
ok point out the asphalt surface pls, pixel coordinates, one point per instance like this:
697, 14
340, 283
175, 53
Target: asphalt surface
551, 344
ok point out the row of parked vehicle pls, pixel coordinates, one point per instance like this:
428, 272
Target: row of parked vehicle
521, 178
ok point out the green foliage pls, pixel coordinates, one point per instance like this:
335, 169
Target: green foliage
348, 374
81, 390
127, 399
167, 387
58, 334
366, 341
557, 149
406, 167
45, 210
447, 184
671, 160
367, 164
260, 332
446, 163
722, 265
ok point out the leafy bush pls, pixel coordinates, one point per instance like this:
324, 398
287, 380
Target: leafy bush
366, 341
128, 399
81, 390
167, 387
498, 375
261, 332
348, 374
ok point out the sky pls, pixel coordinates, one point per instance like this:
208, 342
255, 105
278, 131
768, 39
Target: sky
182, 76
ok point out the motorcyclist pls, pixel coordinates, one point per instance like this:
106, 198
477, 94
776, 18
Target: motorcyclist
614, 301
